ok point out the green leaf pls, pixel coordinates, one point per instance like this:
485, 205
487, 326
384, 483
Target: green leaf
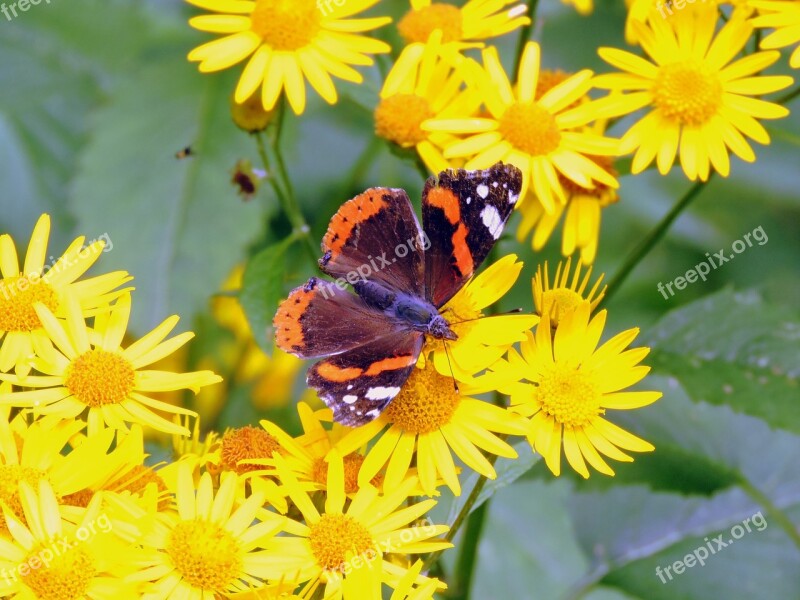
177, 225
733, 349
262, 290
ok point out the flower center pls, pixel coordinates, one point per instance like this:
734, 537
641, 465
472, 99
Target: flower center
569, 395
10, 476
66, 576
286, 24
399, 119
98, 378
17, 297
333, 537
530, 128
352, 465
426, 402
418, 25
688, 93
558, 303
207, 556
246, 443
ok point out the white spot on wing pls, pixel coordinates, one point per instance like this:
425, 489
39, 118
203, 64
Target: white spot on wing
469, 199
495, 184
483, 190
512, 197
373, 413
492, 220
350, 387
349, 398
382, 393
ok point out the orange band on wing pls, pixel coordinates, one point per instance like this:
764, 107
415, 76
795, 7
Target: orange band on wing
461, 251
445, 199
333, 373
390, 364
350, 214
288, 330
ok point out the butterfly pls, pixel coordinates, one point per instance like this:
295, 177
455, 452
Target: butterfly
401, 275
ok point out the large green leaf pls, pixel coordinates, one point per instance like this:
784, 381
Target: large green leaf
733, 349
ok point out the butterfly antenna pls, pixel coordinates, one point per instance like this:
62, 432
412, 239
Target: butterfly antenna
449, 364
503, 314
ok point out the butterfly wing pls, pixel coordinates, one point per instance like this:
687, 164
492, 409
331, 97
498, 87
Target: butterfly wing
321, 319
376, 236
464, 214
358, 384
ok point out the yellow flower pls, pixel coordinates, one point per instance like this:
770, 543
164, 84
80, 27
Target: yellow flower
430, 420
584, 7
342, 546
784, 17
701, 106
288, 42
570, 384
21, 333
482, 339
563, 297
90, 371
476, 20
49, 558
541, 135
680, 12
425, 82
209, 547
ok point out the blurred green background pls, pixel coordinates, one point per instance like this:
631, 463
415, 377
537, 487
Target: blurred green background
97, 97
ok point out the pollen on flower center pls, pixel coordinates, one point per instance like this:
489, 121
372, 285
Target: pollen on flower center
334, 537
530, 128
207, 556
10, 476
427, 401
99, 377
286, 24
17, 297
399, 118
418, 25
688, 93
246, 443
66, 577
569, 395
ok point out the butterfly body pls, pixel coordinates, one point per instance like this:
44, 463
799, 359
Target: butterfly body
402, 276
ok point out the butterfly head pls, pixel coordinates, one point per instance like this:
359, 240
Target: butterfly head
439, 328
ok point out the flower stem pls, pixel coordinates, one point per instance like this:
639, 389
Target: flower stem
775, 513
279, 180
465, 566
525, 34
644, 247
789, 97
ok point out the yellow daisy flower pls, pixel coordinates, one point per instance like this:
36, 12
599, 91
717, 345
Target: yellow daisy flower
701, 102
476, 20
288, 42
209, 548
784, 17
90, 371
482, 339
431, 420
342, 546
47, 558
21, 333
644, 11
425, 82
541, 135
563, 296
570, 384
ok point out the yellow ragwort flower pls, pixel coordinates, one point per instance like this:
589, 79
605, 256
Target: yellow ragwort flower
700, 103
560, 298
94, 373
571, 382
541, 135
21, 332
476, 20
784, 17
287, 42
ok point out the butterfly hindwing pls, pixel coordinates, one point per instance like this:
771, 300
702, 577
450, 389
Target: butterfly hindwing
357, 385
376, 236
464, 213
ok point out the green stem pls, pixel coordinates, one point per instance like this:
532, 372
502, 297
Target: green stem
465, 566
644, 247
789, 97
421, 168
280, 183
525, 34
775, 514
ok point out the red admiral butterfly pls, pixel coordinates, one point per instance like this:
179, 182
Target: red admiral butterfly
402, 276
